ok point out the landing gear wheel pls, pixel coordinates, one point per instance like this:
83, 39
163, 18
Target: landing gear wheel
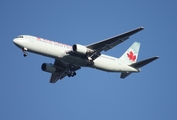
25, 54
72, 74
24, 51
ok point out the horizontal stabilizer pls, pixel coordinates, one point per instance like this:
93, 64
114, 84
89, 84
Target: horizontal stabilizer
143, 62
124, 75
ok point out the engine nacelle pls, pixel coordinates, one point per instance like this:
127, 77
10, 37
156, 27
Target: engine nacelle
82, 49
48, 67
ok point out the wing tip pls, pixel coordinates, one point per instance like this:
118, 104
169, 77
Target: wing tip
141, 27
156, 57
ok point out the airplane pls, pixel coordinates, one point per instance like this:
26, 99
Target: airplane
69, 59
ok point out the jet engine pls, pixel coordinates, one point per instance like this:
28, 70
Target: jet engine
82, 49
48, 67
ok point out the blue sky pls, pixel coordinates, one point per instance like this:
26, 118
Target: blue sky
25, 90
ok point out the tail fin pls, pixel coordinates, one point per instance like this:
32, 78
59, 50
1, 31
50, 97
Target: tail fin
131, 55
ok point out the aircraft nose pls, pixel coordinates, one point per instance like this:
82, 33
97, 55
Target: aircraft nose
16, 41
19, 42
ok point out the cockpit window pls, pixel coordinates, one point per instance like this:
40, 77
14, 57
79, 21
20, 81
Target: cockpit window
20, 36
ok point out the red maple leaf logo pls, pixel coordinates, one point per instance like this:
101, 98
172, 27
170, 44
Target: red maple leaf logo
131, 56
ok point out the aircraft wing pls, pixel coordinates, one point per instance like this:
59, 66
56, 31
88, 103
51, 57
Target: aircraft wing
63, 71
112, 42
105, 45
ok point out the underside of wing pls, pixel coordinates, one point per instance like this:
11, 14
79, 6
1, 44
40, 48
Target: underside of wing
57, 76
63, 70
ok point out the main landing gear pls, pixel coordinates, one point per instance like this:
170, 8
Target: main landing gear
71, 71
71, 74
90, 63
24, 51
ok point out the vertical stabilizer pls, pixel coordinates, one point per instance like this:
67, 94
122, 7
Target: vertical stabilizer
131, 55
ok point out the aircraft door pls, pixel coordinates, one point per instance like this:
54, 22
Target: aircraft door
31, 39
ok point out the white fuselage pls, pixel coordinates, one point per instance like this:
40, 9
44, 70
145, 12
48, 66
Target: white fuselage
60, 51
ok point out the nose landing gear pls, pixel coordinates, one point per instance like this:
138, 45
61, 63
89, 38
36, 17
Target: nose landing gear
24, 51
